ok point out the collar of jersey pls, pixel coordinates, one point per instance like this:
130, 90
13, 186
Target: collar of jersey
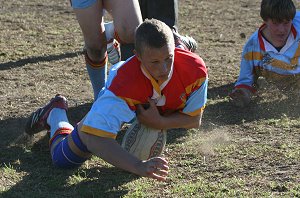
157, 87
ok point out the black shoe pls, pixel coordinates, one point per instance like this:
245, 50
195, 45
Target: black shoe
185, 42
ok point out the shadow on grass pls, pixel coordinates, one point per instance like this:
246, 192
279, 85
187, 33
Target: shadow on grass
40, 178
224, 113
37, 59
220, 92
12, 129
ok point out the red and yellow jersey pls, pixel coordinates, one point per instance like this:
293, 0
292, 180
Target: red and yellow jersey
189, 73
129, 84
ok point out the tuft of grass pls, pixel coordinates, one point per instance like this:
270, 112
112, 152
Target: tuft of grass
285, 122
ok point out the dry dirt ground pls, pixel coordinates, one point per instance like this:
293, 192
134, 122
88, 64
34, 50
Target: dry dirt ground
40, 45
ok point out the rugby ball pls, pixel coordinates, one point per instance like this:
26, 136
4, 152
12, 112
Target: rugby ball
144, 142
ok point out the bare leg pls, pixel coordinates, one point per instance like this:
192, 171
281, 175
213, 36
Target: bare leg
90, 20
127, 16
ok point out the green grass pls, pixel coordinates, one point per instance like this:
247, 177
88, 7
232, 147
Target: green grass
231, 168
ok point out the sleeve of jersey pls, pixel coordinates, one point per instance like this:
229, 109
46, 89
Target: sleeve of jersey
246, 76
196, 102
107, 115
296, 20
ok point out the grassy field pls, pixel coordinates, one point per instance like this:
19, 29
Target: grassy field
252, 152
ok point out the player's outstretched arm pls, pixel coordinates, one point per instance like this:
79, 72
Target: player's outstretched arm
109, 150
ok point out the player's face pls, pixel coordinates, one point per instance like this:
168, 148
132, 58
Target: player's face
158, 61
278, 32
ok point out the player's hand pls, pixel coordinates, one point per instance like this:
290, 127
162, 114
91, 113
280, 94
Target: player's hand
156, 168
149, 116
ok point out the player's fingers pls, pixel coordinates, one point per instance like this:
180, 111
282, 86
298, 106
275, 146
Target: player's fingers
160, 160
159, 166
161, 172
159, 177
158, 174
151, 102
139, 108
160, 163
163, 167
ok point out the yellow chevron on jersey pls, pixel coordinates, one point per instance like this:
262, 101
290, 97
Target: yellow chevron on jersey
253, 56
97, 132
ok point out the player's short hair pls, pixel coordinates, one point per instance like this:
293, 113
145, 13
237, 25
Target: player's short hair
152, 33
277, 10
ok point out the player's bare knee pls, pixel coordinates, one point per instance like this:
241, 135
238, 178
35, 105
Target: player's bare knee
126, 35
96, 54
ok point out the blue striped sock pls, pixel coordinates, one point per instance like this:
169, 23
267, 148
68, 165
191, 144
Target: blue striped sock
98, 77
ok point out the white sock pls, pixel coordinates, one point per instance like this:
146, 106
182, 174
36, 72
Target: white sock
58, 119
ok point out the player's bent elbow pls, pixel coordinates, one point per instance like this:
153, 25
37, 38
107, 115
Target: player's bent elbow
197, 123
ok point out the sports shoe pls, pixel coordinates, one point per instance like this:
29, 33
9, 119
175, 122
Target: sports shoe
240, 97
38, 119
113, 51
185, 42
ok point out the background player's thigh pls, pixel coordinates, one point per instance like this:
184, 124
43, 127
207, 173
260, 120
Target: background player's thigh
126, 15
90, 21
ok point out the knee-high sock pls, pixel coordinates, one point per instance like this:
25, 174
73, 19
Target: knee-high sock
97, 78
58, 119
97, 73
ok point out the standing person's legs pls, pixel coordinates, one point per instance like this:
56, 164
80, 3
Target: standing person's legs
90, 18
127, 16
165, 11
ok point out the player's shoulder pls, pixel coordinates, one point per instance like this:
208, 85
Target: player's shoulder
253, 43
185, 55
128, 78
186, 61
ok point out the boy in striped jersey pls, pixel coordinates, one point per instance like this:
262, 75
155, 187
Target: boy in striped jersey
272, 52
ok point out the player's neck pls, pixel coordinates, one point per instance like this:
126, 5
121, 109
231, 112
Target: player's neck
267, 36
